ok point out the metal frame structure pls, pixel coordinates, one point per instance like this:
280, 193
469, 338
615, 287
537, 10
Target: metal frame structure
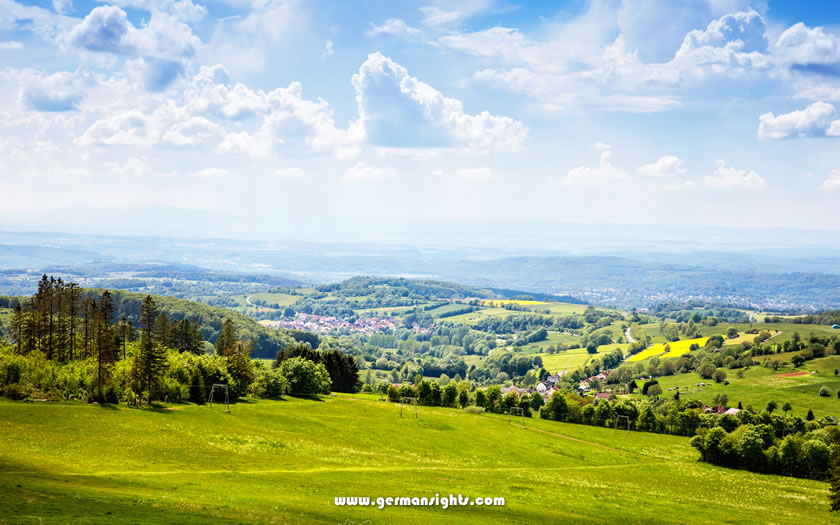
625, 418
518, 410
227, 396
409, 400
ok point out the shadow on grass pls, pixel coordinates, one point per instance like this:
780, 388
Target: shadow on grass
33, 494
310, 397
109, 406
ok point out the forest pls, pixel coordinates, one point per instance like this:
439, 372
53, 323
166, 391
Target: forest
69, 343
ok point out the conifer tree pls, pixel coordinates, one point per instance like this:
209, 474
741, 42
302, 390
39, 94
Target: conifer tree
73, 301
834, 486
17, 327
227, 338
150, 362
104, 340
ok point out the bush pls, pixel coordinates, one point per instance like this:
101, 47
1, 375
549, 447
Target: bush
825, 392
305, 377
270, 383
474, 410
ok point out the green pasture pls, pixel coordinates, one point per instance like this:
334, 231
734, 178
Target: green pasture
759, 385
286, 461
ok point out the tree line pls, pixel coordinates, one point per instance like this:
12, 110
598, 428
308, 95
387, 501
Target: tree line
68, 343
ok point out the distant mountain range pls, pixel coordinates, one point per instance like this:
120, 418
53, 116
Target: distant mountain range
635, 278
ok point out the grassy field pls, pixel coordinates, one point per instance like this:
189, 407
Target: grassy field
761, 384
786, 329
280, 299
576, 358
286, 461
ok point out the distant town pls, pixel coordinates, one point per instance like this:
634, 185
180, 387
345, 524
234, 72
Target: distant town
324, 324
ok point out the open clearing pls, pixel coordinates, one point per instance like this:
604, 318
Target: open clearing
286, 461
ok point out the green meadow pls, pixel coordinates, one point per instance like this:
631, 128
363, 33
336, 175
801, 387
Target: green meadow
760, 385
285, 462
576, 358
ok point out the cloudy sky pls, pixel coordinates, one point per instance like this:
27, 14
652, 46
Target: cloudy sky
703, 112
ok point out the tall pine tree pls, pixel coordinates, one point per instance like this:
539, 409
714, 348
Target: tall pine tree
151, 360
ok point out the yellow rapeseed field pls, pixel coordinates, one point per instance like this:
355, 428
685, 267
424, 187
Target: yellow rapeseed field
677, 348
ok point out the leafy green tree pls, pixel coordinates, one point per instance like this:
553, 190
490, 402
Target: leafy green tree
450, 394
556, 409
810, 416
706, 369
197, 387
771, 406
463, 398
786, 407
480, 398
536, 401
393, 393
647, 386
494, 397
305, 377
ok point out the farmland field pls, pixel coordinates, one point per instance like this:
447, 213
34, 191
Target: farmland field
576, 358
286, 461
761, 384
498, 303
677, 348
748, 338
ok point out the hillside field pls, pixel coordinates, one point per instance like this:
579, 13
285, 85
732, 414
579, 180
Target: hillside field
760, 385
286, 461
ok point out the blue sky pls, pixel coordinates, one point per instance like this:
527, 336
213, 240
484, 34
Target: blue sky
704, 112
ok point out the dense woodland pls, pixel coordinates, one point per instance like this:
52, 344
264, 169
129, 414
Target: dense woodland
69, 343
60, 309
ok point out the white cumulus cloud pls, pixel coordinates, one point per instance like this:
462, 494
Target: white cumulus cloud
603, 174
163, 43
808, 49
814, 121
668, 165
832, 183
398, 110
392, 26
726, 177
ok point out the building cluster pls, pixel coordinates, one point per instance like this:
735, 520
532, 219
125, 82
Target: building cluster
584, 384
544, 388
324, 323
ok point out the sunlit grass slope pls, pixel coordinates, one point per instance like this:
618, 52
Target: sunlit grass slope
285, 461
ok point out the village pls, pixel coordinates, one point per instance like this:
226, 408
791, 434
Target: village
325, 324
